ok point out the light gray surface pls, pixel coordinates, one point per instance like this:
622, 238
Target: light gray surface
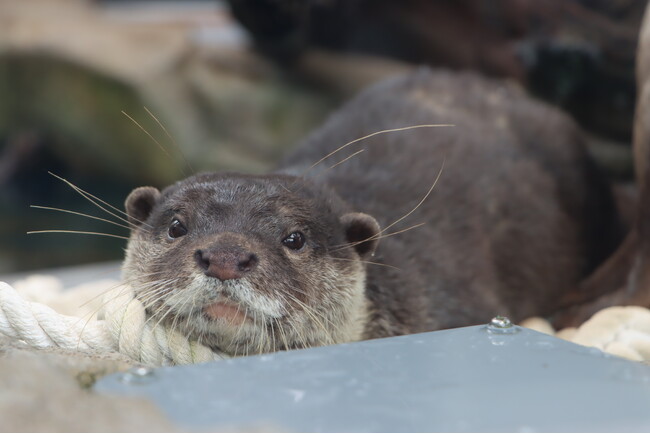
72, 276
464, 379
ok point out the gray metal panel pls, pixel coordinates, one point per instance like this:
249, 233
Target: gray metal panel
464, 379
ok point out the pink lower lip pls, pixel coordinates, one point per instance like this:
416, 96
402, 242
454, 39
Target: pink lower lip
221, 310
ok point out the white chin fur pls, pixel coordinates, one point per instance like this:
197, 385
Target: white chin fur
203, 289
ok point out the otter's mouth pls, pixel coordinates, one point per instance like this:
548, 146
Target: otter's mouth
231, 312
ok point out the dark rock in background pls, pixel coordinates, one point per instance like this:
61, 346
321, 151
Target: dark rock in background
578, 54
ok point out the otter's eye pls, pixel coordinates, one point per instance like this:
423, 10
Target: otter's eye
294, 241
176, 229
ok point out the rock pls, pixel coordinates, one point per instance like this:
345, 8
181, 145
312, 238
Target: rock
68, 68
48, 391
74, 67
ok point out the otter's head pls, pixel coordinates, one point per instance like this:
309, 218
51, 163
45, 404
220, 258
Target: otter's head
250, 264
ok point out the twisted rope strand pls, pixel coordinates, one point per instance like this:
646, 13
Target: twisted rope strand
623, 331
124, 329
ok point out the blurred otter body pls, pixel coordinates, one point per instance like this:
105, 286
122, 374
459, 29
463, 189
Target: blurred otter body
520, 214
289, 260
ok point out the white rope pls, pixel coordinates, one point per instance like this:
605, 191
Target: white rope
624, 331
124, 329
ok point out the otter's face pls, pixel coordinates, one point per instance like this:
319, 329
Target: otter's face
250, 264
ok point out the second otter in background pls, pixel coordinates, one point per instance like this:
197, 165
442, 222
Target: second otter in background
297, 258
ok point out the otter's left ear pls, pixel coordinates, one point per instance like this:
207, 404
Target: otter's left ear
361, 230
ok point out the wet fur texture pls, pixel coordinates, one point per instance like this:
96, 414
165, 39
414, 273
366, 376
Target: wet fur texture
520, 215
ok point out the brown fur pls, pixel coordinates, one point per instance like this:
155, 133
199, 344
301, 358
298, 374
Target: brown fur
520, 215
295, 299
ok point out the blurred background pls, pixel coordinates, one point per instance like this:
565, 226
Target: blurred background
236, 83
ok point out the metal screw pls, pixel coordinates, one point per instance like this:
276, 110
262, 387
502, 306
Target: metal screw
501, 322
501, 325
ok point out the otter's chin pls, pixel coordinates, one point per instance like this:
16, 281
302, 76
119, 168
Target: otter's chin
232, 313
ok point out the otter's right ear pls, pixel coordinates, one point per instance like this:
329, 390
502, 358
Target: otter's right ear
140, 203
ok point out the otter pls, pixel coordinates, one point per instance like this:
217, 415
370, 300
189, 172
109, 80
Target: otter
317, 254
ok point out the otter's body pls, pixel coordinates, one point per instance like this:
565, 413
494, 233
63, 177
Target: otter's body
519, 215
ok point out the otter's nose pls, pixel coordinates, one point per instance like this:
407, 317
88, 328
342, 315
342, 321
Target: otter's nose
225, 263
